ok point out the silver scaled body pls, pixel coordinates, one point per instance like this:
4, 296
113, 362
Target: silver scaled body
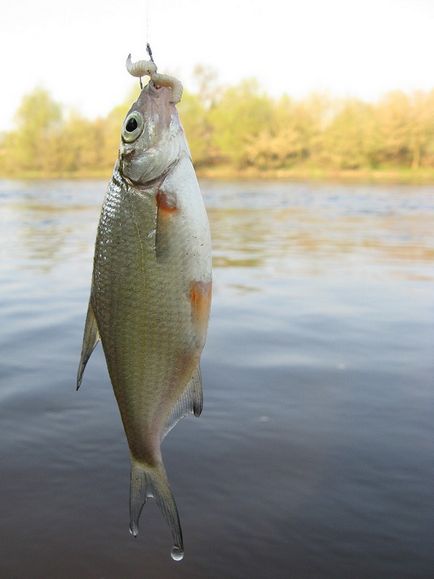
150, 295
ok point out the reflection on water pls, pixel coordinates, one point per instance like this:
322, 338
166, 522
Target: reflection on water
313, 457
364, 224
41, 223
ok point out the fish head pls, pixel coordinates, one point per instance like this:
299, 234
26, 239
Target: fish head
152, 138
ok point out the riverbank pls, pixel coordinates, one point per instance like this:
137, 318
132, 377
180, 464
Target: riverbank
424, 176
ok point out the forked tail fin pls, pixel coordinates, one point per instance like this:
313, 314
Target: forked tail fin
151, 481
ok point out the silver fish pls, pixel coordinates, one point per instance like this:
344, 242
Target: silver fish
151, 292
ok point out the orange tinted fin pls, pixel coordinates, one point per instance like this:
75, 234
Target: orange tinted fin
166, 203
166, 207
200, 299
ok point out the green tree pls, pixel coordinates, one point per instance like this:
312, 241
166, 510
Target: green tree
349, 141
80, 144
406, 127
240, 115
198, 129
240, 126
32, 146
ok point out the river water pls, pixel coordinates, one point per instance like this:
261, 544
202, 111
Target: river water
314, 456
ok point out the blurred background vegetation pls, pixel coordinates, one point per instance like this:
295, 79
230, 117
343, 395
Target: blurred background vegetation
238, 130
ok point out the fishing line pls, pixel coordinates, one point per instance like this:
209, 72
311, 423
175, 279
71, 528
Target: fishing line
147, 20
147, 34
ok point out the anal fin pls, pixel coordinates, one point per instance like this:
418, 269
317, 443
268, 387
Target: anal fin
197, 392
190, 402
90, 340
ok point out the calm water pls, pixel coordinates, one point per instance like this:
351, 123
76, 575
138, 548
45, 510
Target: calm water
314, 457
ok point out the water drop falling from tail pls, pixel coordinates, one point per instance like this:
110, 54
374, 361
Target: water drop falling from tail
177, 553
149, 481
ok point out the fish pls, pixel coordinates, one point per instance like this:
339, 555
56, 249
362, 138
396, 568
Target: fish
151, 288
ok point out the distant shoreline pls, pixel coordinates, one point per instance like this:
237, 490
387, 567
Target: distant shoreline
386, 176
223, 173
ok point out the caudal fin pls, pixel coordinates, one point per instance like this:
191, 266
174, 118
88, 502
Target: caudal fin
147, 481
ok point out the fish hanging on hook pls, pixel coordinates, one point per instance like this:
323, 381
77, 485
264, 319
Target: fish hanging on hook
151, 287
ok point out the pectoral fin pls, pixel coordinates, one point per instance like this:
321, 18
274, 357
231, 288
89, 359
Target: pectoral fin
166, 209
190, 402
90, 340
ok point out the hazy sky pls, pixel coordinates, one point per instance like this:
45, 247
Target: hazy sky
77, 48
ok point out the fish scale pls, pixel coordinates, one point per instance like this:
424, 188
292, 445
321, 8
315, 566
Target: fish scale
151, 291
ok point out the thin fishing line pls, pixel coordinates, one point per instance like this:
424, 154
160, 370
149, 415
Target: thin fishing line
147, 20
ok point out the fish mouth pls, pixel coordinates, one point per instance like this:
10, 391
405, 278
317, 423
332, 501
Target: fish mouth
153, 88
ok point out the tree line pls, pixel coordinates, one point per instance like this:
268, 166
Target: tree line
238, 127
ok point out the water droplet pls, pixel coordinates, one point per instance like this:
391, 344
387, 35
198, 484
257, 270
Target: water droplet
177, 553
134, 531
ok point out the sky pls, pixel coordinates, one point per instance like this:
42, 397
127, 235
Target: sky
77, 48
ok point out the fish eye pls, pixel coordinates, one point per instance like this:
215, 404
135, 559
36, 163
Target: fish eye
133, 126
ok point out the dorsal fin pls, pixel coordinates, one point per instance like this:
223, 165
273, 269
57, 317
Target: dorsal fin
90, 340
190, 402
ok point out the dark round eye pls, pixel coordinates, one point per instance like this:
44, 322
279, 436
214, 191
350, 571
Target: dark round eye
131, 125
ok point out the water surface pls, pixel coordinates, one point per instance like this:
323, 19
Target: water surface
314, 454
